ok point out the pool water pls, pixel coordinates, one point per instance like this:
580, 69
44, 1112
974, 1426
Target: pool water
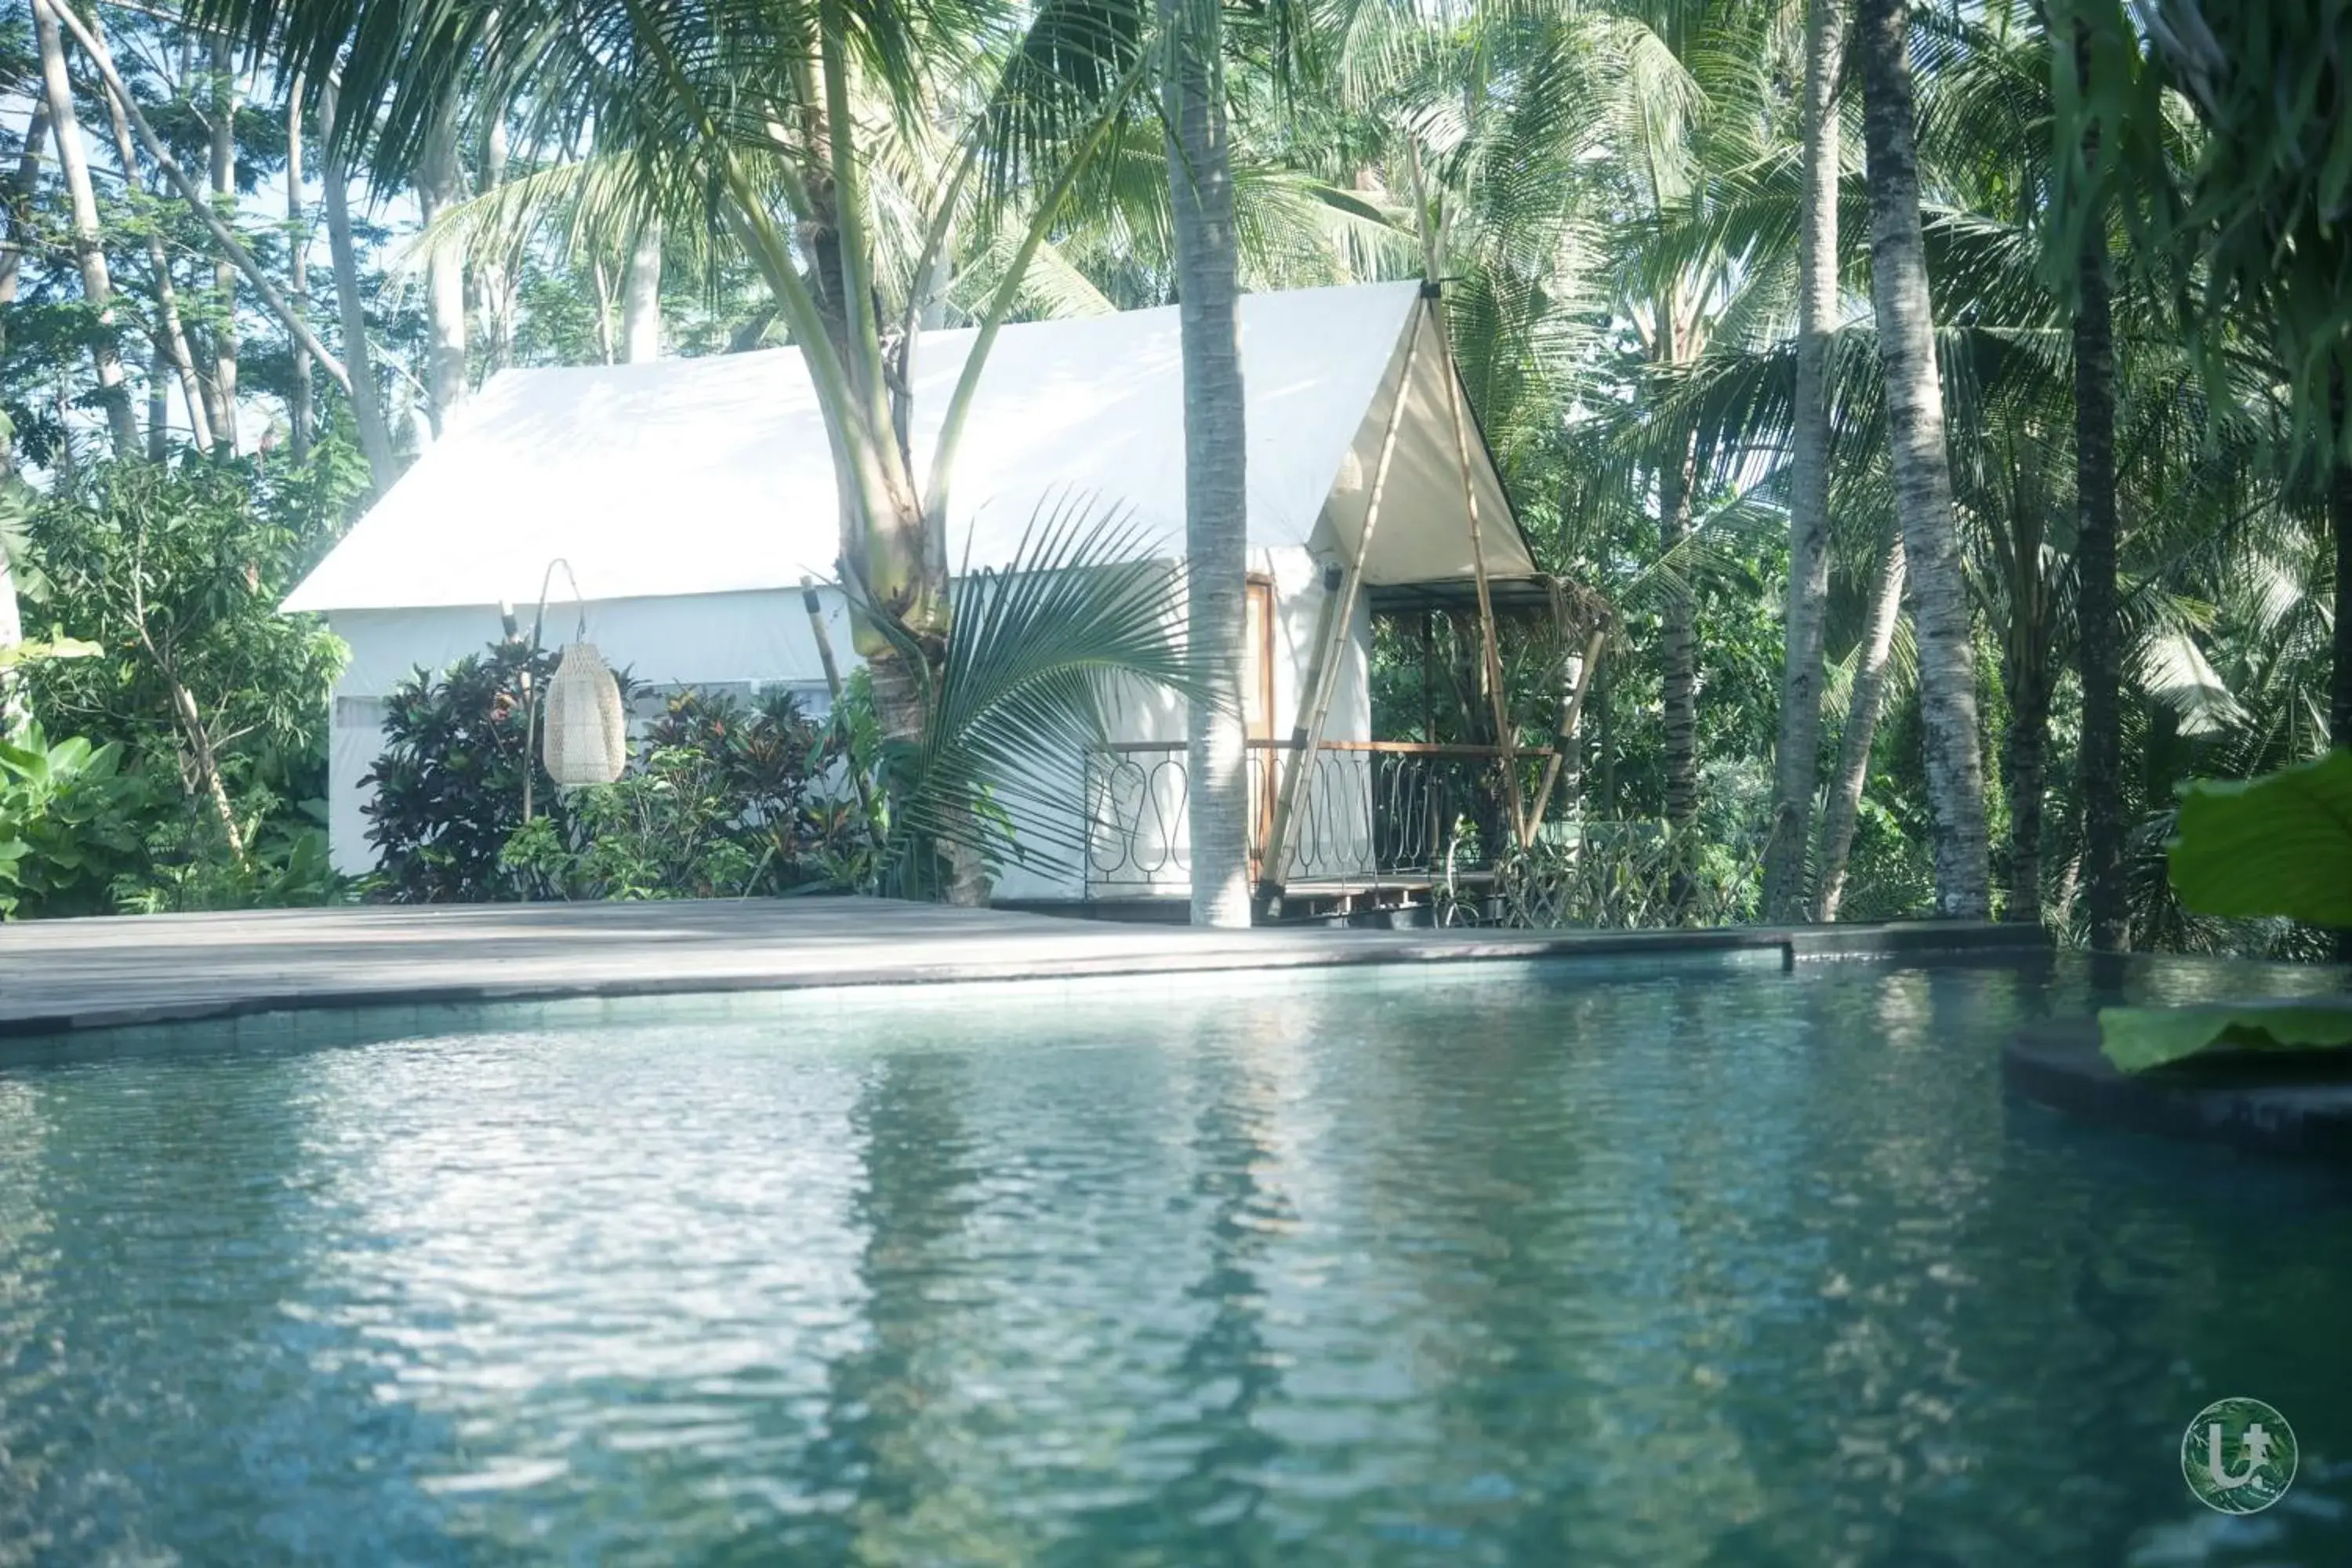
1514, 1265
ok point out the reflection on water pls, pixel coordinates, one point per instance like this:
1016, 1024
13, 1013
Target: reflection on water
1532, 1267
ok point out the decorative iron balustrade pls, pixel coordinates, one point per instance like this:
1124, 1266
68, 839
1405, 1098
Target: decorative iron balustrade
1371, 811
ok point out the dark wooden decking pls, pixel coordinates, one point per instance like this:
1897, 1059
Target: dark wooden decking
62, 975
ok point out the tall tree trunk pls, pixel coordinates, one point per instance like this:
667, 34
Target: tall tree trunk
173, 357
1864, 702
89, 243
224, 177
1216, 495
159, 400
19, 218
2339, 522
1678, 683
1922, 478
641, 298
19, 203
2099, 632
2024, 747
297, 259
1796, 771
494, 280
367, 405
444, 274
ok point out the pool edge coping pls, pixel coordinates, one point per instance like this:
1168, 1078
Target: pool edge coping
1795, 944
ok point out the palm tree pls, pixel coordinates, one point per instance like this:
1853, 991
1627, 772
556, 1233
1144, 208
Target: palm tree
1923, 482
1216, 493
1796, 758
744, 121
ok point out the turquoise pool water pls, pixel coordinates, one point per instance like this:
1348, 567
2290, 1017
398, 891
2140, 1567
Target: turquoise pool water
1509, 1265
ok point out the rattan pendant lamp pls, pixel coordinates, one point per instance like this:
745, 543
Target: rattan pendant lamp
585, 738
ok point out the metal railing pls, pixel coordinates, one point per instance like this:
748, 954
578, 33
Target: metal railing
1371, 811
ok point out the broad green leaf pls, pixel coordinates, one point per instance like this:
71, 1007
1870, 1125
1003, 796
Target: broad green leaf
33, 652
2276, 846
2137, 1038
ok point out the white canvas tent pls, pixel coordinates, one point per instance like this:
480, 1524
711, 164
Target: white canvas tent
690, 497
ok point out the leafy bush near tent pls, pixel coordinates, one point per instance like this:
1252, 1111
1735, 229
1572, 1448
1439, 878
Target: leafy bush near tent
724, 800
448, 785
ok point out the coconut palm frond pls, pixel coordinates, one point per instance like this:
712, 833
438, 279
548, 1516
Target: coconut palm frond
1041, 647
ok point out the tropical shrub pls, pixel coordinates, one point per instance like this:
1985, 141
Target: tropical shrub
175, 573
450, 783
725, 799
69, 823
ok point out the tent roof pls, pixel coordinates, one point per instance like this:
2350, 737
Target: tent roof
714, 475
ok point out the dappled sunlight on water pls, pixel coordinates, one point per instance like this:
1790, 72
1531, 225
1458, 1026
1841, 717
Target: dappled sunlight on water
1527, 1268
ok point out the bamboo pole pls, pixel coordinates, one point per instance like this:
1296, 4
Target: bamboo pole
1571, 711
1323, 682
1492, 652
1433, 257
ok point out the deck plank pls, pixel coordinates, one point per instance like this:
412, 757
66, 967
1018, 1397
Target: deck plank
62, 975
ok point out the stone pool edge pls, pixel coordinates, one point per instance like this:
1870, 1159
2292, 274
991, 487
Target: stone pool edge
1794, 945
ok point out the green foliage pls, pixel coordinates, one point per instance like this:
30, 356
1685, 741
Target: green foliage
1039, 649
186, 866
161, 583
2137, 1038
450, 785
69, 823
2276, 846
176, 572
724, 800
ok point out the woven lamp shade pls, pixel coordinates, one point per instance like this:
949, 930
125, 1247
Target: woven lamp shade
587, 733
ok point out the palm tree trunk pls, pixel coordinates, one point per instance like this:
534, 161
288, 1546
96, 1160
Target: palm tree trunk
89, 243
224, 176
444, 274
2098, 631
2024, 747
1796, 757
1864, 705
1923, 479
494, 280
641, 298
297, 261
1215, 494
1678, 682
2339, 520
367, 407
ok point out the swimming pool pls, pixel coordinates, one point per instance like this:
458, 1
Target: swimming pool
1519, 1264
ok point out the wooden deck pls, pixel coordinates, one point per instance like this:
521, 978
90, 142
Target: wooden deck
62, 975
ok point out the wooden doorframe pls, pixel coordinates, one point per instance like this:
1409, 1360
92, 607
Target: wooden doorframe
1259, 602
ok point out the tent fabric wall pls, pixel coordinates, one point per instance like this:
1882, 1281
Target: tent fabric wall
714, 475
759, 639
690, 498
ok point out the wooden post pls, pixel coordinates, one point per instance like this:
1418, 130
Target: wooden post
833, 684
1323, 677
824, 640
